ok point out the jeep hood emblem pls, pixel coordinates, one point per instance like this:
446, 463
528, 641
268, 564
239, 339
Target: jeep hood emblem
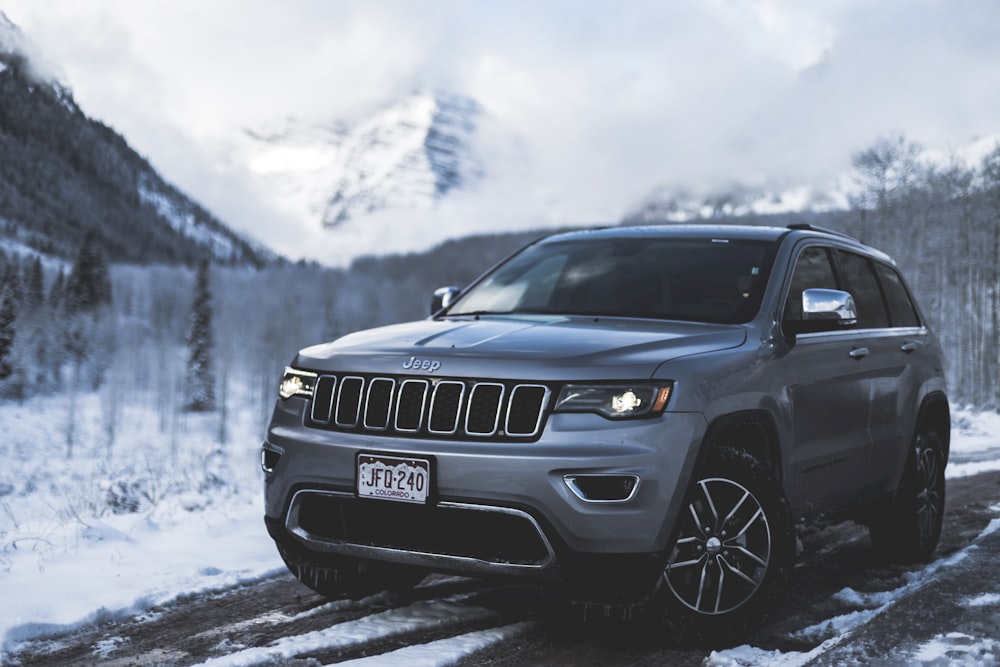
417, 364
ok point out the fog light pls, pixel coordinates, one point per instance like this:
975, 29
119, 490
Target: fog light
603, 488
269, 460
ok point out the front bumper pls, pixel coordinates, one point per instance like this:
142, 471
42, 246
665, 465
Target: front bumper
517, 491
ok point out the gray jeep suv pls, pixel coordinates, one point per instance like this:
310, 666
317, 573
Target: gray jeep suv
636, 415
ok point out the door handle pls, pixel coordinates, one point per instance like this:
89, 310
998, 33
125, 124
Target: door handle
908, 347
859, 353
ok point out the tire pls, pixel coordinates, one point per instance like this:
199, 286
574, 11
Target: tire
733, 555
908, 527
339, 577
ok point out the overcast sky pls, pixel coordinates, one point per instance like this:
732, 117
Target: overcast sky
611, 99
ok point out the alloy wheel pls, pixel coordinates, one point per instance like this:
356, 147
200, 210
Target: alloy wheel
722, 552
930, 491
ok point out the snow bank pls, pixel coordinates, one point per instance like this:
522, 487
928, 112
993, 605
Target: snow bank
115, 525
975, 444
123, 565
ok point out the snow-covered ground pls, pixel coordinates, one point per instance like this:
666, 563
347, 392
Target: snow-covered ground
951, 648
162, 510
111, 526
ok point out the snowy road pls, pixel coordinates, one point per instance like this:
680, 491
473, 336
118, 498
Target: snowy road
843, 607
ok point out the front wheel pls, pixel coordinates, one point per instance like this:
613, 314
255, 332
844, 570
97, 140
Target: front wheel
908, 528
734, 551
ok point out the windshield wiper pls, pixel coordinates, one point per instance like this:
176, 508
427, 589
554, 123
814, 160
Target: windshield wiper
519, 311
477, 313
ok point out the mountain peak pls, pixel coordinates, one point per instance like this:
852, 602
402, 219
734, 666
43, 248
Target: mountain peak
407, 155
19, 52
11, 36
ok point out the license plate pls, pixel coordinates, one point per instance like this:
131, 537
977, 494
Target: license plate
383, 477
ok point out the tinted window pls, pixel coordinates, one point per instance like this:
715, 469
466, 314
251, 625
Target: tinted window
859, 279
813, 270
902, 312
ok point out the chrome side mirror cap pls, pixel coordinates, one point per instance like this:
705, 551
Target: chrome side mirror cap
443, 297
824, 310
829, 304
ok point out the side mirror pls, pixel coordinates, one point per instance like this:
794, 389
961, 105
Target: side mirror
823, 310
443, 297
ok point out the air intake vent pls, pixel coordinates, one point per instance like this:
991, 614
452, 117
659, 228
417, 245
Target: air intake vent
476, 409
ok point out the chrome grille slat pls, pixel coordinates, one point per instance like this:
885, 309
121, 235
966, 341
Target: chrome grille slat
519, 412
378, 403
446, 407
349, 401
322, 407
409, 413
485, 404
429, 407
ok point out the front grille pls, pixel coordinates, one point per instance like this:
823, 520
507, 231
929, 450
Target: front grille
422, 407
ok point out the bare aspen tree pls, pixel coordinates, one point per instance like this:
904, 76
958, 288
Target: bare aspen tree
991, 181
885, 172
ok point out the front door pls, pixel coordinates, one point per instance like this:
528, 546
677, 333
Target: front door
827, 379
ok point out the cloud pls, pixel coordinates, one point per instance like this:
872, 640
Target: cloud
600, 102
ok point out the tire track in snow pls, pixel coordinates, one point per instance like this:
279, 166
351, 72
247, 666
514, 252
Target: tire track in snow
442, 651
435, 615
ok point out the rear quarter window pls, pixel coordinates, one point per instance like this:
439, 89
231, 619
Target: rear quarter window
902, 312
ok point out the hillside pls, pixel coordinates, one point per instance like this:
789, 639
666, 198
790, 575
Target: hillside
63, 175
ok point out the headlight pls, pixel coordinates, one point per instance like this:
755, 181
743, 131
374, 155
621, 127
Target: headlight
296, 383
615, 401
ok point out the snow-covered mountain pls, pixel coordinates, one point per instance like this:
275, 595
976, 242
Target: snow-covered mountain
409, 155
679, 204
63, 175
670, 204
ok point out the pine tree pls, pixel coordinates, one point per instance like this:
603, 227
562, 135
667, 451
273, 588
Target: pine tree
8, 315
57, 293
34, 285
199, 389
12, 282
89, 283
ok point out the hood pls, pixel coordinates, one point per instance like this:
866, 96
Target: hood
521, 347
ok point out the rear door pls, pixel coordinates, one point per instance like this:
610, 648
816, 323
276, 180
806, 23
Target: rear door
894, 344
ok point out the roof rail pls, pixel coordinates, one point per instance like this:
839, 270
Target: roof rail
805, 226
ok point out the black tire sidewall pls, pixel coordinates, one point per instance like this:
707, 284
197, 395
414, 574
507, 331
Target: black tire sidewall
895, 531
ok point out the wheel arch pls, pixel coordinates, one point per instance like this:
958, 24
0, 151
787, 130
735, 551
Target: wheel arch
935, 414
752, 431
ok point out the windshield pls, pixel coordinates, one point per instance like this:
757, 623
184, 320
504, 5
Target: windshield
702, 280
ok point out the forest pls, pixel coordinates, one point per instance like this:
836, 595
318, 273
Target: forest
942, 226
202, 338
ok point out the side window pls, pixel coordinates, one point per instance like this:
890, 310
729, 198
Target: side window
812, 270
902, 312
859, 279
